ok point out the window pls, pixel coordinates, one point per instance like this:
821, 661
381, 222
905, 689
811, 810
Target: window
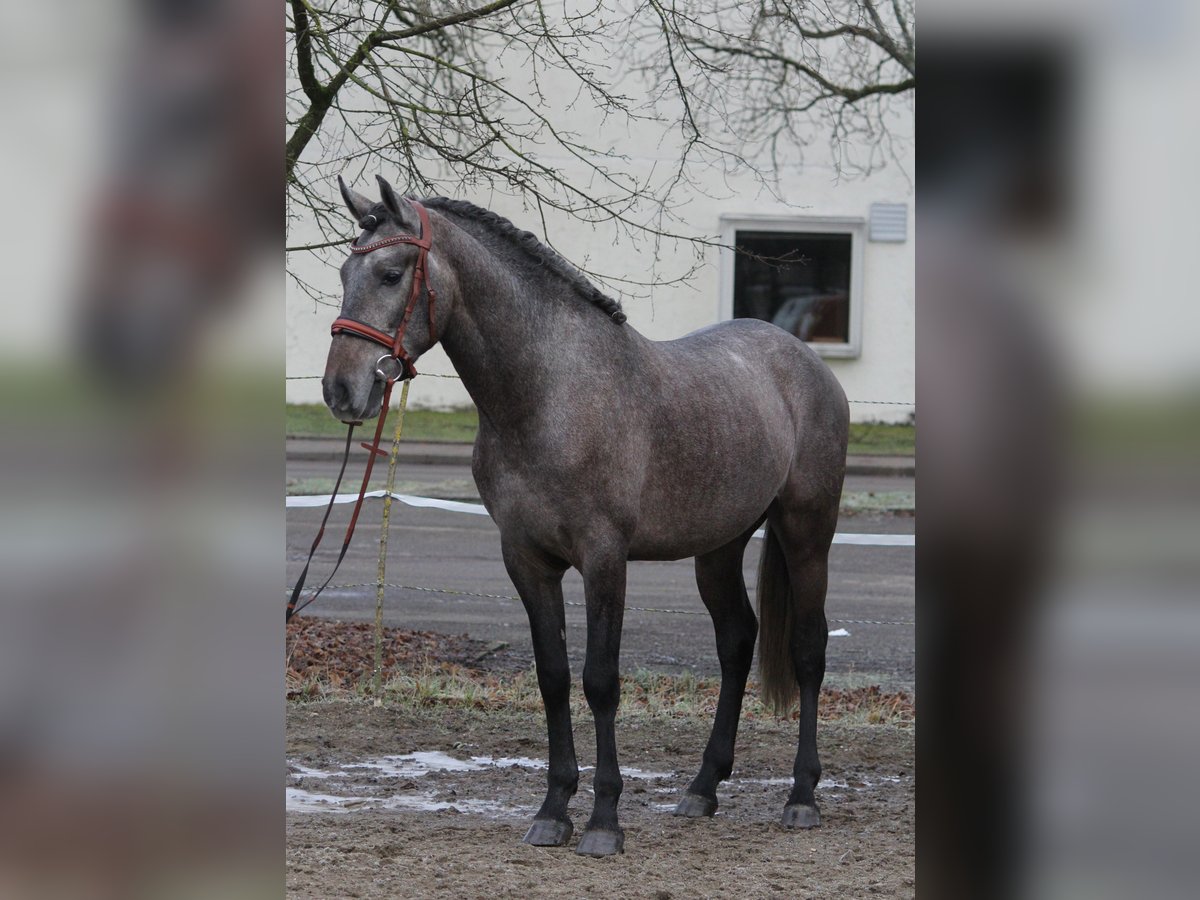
801, 274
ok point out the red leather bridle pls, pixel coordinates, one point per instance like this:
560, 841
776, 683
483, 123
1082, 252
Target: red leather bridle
394, 342
405, 370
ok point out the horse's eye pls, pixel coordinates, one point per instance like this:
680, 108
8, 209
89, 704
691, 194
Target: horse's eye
392, 277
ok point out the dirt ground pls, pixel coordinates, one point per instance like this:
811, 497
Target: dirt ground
404, 801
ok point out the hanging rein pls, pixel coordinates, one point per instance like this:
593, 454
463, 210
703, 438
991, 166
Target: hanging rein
404, 369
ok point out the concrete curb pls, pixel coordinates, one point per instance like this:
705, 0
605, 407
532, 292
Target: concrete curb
431, 454
897, 466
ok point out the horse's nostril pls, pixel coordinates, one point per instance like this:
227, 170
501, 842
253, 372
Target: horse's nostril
336, 391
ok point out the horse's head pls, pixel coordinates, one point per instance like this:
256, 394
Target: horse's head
378, 292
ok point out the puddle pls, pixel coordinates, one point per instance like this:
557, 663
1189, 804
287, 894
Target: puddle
509, 762
407, 766
415, 765
421, 764
300, 801
480, 807
640, 774
426, 762
786, 781
306, 772
348, 778
297, 800
636, 774
343, 788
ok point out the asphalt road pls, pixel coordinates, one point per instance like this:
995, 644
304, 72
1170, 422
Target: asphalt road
438, 549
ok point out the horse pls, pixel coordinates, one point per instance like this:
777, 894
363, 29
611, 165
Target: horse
598, 446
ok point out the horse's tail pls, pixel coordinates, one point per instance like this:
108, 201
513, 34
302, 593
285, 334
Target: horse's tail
776, 671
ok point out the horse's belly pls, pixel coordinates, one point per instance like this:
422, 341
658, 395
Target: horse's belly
690, 516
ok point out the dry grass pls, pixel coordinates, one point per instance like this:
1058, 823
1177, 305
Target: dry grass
643, 693
335, 660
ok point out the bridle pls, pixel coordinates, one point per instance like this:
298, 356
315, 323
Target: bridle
405, 370
394, 343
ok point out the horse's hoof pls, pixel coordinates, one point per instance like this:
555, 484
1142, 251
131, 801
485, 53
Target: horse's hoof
695, 807
596, 842
797, 815
549, 832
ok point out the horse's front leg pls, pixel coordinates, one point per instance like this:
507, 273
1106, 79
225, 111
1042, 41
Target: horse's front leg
604, 590
540, 585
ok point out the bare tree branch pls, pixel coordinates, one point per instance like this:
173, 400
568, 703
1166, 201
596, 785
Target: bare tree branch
541, 101
304, 52
311, 121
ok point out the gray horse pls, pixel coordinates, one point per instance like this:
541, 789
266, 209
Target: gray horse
598, 446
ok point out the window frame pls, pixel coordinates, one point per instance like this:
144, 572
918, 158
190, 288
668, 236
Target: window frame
854, 226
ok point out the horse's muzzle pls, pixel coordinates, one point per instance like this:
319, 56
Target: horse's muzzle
340, 397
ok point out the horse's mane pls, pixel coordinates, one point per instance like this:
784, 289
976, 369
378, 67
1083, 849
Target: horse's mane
528, 244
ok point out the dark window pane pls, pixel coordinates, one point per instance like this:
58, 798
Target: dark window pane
799, 281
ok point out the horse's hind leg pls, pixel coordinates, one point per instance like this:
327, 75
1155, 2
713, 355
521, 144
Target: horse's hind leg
540, 587
804, 535
723, 590
604, 592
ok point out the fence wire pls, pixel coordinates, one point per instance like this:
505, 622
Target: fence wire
457, 378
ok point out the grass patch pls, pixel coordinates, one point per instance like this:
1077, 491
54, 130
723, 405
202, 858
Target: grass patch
643, 693
456, 426
875, 439
898, 502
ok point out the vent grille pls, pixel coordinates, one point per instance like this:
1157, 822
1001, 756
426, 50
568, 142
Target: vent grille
889, 222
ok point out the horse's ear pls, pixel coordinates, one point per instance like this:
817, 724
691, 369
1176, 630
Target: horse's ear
355, 202
396, 206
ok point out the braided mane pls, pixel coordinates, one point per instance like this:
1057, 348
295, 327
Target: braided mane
546, 258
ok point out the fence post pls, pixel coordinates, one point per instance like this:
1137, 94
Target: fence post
383, 541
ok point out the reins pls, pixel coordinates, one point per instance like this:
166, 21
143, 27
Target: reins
405, 370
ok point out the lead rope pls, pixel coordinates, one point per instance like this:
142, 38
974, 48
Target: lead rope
293, 607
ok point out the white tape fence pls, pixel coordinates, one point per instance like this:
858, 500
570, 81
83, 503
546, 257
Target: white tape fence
476, 509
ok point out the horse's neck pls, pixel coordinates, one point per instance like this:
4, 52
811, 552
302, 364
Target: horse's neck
516, 346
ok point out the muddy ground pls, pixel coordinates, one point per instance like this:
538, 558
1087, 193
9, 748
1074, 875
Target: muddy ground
403, 801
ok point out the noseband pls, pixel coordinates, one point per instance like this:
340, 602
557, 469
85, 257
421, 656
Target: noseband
405, 368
